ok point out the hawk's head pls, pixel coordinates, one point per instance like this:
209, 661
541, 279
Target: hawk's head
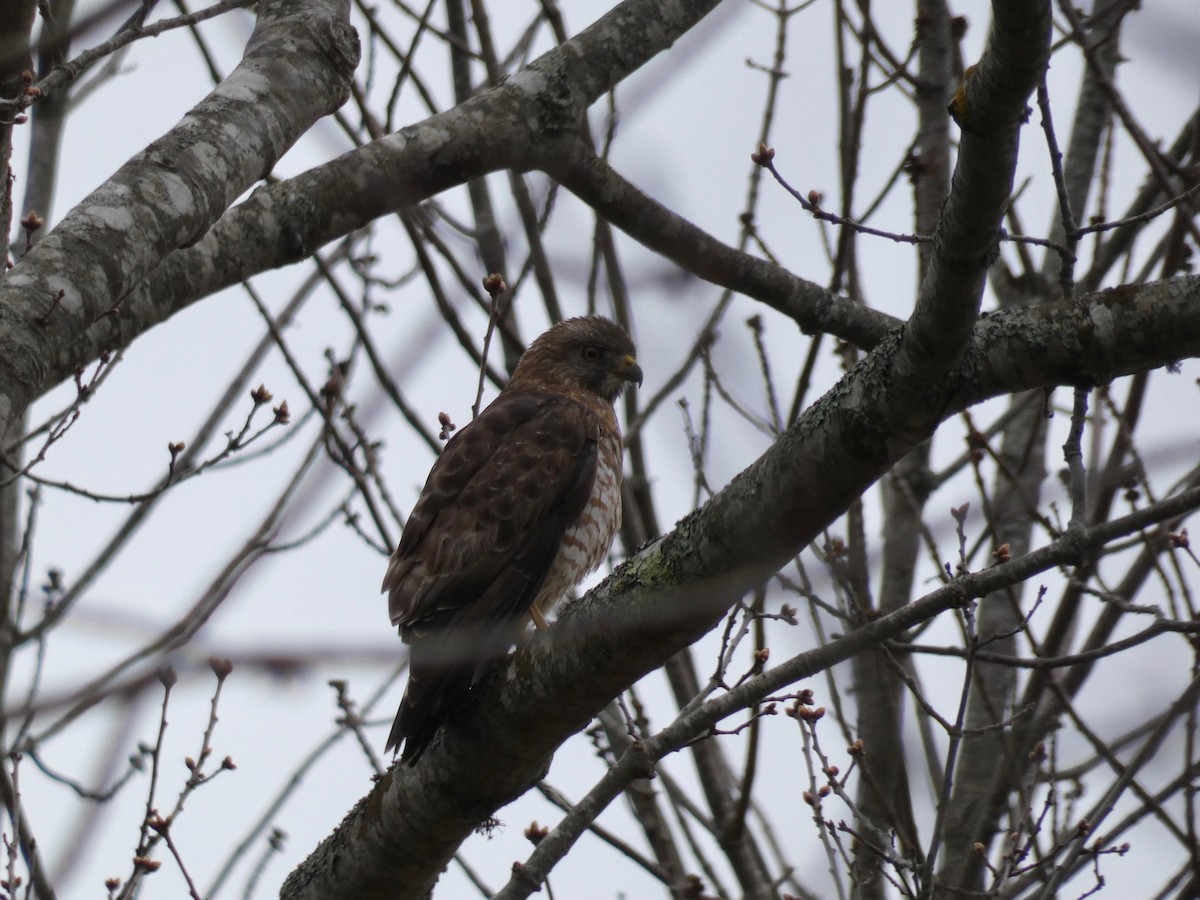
589, 352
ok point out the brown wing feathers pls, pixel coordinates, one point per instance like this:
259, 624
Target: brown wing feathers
486, 531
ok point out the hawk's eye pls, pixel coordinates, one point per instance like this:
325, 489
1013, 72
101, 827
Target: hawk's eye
592, 353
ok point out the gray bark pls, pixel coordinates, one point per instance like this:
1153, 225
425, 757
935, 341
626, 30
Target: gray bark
296, 69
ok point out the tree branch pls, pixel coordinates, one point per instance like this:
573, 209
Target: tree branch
496, 129
296, 69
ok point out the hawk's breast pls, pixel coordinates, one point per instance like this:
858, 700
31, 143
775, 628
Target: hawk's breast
587, 540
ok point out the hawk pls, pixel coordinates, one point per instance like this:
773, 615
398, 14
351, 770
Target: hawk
520, 506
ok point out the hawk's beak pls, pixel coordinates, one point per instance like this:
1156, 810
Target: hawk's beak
630, 370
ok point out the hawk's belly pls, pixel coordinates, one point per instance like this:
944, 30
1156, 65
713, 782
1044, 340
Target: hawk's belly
585, 543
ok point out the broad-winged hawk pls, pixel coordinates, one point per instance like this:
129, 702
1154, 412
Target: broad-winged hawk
519, 507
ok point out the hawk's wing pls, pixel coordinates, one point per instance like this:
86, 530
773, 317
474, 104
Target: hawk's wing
479, 544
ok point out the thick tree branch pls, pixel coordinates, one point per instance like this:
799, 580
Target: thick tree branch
497, 129
296, 69
990, 109
697, 723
